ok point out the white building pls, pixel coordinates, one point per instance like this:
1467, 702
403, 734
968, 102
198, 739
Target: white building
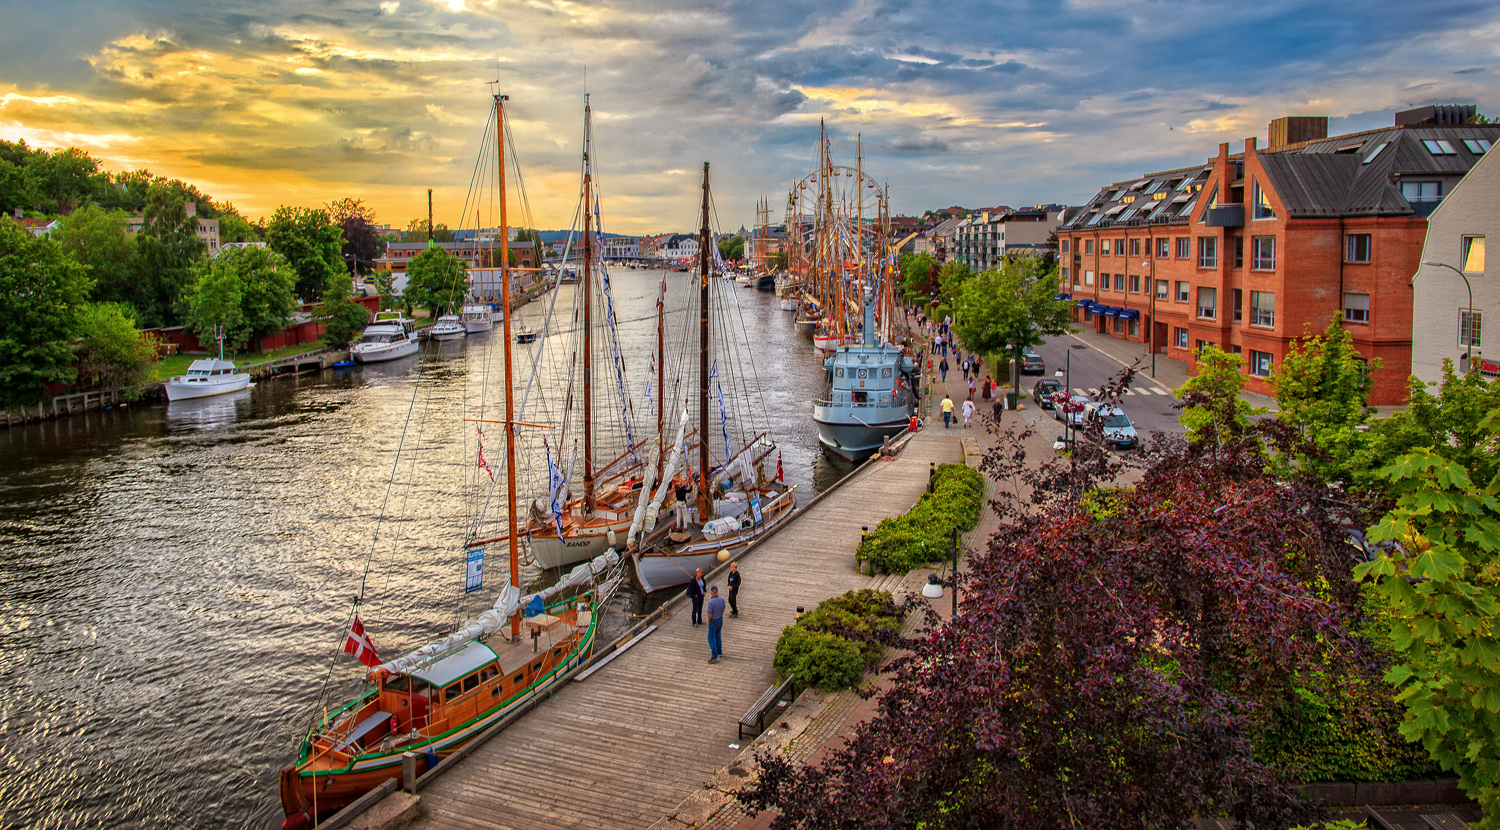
622, 247
1445, 324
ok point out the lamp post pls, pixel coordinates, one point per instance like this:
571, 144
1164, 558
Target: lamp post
1468, 341
1151, 332
934, 587
1067, 374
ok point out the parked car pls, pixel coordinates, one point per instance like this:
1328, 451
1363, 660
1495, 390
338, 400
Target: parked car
1071, 411
1117, 430
1031, 364
1043, 391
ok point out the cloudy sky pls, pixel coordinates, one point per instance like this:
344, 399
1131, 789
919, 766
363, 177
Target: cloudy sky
269, 102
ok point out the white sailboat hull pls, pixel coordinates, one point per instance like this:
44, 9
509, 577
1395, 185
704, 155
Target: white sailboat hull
381, 352
658, 570
178, 389
548, 551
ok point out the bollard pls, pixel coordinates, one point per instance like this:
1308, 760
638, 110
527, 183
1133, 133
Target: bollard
409, 772
931, 474
800, 612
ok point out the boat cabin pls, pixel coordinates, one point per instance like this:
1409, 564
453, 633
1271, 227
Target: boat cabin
207, 369
876, 376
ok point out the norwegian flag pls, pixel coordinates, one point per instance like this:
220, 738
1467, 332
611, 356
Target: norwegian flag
481, 463
780, 475
359, 645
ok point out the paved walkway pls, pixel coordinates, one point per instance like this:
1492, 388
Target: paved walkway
624, 747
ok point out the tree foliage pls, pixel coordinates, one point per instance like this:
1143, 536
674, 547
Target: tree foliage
362, 243
1009, 310
168, 245
779, 261
732, 249
436, 281
918, 275
1440, 574
245, 291
1322, 388
42, 290
96, 237
340, 316
112, 352
416, 231
1213, 414
311, 243
1111, 663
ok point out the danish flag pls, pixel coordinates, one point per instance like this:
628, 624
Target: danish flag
359, 645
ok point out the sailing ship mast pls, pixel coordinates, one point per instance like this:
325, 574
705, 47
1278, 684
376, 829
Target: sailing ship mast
705, 503
588, 321
510, 404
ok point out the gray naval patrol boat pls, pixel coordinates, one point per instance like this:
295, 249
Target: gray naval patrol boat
868, 394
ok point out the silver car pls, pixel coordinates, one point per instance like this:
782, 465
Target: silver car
1118, 431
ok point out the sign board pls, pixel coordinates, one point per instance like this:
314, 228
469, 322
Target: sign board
474, 574
755, 507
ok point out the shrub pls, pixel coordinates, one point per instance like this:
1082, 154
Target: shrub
902, 543
828, 649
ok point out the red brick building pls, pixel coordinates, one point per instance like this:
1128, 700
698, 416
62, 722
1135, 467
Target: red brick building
1255, 249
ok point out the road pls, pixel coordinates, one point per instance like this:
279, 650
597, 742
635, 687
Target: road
1149, 405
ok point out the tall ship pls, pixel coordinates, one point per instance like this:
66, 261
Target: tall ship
433, 700
868, 394
716, 464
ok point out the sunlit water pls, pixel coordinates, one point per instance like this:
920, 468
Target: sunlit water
175, 580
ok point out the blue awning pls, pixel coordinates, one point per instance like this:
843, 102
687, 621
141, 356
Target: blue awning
1129, 314
1111, 311
1085, 303
1063, 296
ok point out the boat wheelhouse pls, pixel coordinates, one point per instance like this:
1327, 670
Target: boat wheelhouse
447, 327
868, 398
477, 318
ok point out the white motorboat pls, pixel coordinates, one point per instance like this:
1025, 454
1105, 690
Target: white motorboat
390, 337
476, 318
525, 334
447, 327
205, 378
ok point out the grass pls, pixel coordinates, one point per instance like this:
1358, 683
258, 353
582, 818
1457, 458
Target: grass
177, 364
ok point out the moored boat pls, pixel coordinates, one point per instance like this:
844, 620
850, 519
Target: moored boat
390, 337
476, 318
868, 395
207, 377
447, 327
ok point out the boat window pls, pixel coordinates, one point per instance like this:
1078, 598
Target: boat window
471, 682
861, 372
398, 684
536, 665
839, 371
488, 674
452, 692
886, 372
519, 678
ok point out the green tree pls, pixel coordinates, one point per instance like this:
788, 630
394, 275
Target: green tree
245, 291
416, 231
1440, 577
385, 286
236, 228
436, 281
17, 187
112, 352
1321, 392
96, 238
340, 316
1212, 411
41, 292
1449, 421
362, 243
168, 245
951, 279
312, 243
732, 249
779, 260
917, 276
65, 179
1008, 310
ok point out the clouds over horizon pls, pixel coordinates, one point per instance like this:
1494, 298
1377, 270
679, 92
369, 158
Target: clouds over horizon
265, 103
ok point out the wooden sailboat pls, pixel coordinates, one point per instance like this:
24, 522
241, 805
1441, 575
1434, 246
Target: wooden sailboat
734, 503
434, 700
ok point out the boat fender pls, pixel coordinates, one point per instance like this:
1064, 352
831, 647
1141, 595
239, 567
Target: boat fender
723, 555
432, 760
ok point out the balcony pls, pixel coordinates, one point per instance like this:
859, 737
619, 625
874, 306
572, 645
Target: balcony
1226, 216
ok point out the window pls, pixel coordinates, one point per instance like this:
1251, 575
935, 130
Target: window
1135, 328
1262, 308
1375, 152
1208, 303
451, 693
1119, 326
1135, 283
1135, 247
1213, 202
1104, 245
1065, 273
1161, 289
1088, 246
1235, 349
1065, 246
1260, 363
1438, 147
471, 682
1357, 308
1183, 252
1473, 253
1263, 253
1477, 146
1263, 209
1469, 327
1163, 245
1180, 337
1239, 252
1422, 191
1201, 346
1239, 305
1088, 277
1208, 252
1357, 247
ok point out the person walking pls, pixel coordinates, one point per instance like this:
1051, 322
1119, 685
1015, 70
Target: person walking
985, 388
965, 366
734, 588
715, 625
947, 411
971, 387
968, 411
943, 367
695, 593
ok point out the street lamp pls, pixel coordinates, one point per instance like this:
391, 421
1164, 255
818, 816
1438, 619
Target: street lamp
1468, 340
934, 587
1151, 334
1067, 374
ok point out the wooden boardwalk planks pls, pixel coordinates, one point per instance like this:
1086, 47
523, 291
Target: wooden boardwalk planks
623, 748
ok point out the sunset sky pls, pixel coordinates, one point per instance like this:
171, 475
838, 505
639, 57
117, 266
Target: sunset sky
303, 101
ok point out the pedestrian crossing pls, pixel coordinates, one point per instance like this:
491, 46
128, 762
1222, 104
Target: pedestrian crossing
1145, 391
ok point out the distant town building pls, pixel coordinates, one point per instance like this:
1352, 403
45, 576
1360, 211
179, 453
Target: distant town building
985, 239
1255, 249
1445, 323
476, 253
208, 229
622, 247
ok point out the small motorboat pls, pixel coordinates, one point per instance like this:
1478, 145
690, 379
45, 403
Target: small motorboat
476, 318
390, 337
207, 377
525, 334
447, 327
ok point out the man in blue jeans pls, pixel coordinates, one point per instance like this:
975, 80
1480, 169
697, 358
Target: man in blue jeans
715, 611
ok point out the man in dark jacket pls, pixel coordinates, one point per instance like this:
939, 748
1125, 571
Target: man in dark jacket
696, 590
734, 588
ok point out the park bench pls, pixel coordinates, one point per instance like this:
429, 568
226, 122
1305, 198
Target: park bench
777, 696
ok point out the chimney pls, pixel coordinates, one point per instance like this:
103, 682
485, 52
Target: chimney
191, 208
1293, 129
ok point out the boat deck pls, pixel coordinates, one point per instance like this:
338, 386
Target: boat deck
623, 748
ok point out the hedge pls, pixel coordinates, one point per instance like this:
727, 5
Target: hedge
902, 543
816, 651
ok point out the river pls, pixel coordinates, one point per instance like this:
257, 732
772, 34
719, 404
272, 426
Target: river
175, 580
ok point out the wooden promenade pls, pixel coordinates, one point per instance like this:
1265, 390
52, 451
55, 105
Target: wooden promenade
623, 748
